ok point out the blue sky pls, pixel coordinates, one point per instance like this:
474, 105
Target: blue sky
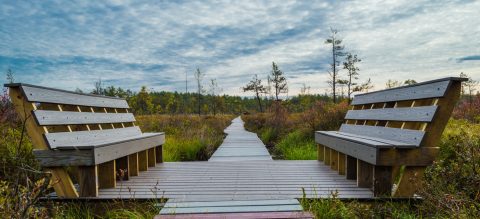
71, 44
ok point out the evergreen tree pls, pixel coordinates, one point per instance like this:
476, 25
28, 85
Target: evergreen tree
277, 81
337, 52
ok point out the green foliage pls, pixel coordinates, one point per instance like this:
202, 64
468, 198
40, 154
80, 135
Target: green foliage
297, 146
452, 184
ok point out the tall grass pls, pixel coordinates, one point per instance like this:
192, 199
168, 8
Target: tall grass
188, 137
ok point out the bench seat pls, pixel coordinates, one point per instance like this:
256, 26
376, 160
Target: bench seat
363, 147
97, 152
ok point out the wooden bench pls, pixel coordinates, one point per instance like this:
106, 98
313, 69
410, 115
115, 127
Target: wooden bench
391, 134
94, 136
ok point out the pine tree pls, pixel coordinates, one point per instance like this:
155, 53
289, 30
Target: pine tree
277, 81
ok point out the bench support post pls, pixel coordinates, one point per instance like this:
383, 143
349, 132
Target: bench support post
106, 175
159, 154
133, 164
88, 181
143, 160
351, 167
364, 174
320, 152
151, 157
341, 163
326, 158
333, 159
383, 177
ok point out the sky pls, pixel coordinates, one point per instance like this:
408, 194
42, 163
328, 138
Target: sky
158, 44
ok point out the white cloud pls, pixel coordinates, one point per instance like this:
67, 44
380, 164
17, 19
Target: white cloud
154, 44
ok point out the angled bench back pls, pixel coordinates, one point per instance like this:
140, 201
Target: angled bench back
68, 120
405, 114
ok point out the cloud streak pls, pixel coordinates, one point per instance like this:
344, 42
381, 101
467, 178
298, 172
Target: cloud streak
135, 43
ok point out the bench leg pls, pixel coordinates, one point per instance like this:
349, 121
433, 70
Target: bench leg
122, 167
320, 152
334, 159
410, 181
106, 175
133, 164
143, 160
382, 185
351, 168
88, 181
364, 174
159, 154
341, 163
326, 159
151, 157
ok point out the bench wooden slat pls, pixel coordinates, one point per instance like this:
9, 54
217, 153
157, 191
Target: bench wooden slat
354, 149
413, 114
48, 117
371, 141
85, 139
101, 154
50, 95
417, 91
412, 137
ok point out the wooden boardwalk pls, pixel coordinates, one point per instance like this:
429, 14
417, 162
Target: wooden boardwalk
240, 145
240, 170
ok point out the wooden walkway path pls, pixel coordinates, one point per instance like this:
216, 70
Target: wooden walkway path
240, 145
240, 170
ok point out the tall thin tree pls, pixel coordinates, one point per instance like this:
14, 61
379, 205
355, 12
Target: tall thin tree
256, 86
199, 77
337, 52
277, 81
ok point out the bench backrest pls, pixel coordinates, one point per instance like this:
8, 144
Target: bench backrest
414, 115
68, 120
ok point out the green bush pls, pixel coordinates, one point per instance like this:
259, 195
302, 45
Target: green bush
297, 146
452, 184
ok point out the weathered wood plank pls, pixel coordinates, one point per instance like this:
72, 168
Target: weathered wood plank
361, 151
50, 95
48, 117
414, 114
85, 139
127, 147
57, 158
412, 92
413, 137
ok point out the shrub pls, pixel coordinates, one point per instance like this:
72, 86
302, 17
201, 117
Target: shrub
452, 184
